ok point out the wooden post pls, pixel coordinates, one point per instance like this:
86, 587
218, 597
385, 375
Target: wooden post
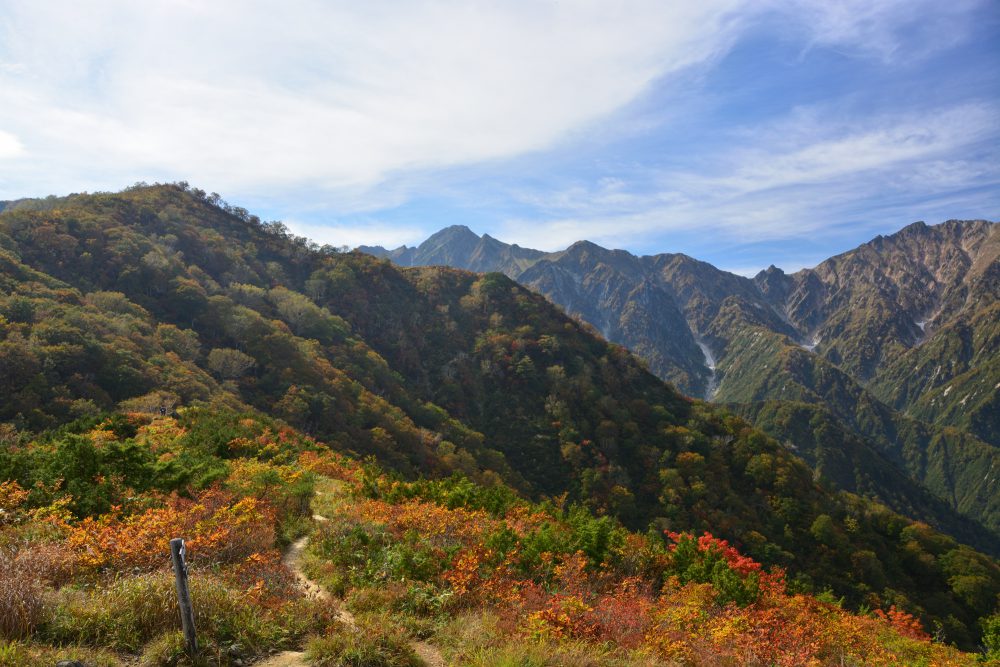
184, 595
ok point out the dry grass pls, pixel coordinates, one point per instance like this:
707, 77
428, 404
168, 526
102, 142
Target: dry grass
27, 654
355, 647
131, 611
21, 593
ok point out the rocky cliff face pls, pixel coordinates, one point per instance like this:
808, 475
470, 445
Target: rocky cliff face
613, 291
908, 315
868, 306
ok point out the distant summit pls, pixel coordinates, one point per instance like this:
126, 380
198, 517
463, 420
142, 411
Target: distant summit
458, 246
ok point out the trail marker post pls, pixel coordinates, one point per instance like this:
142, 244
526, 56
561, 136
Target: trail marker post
177, 553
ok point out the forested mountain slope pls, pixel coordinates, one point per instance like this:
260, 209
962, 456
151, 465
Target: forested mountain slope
894, 343
161, 297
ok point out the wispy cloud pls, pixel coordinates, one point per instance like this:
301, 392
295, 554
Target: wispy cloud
892, 30
809, 148
797, 177
325, 95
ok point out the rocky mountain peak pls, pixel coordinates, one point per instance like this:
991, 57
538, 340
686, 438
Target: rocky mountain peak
583, 246
917, 227
455, 234
774, 284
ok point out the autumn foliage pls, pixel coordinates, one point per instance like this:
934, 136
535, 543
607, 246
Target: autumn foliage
218, 527
410, 556
549, 575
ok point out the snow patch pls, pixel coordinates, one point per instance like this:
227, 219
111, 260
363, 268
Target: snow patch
947, 391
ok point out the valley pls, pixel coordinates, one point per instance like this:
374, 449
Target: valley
844, 337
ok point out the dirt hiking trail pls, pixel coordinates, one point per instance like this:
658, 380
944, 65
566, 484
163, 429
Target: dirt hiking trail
430, 655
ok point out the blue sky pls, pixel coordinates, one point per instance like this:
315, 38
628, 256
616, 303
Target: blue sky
742, 133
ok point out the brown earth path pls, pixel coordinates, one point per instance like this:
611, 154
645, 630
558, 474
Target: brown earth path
430, 655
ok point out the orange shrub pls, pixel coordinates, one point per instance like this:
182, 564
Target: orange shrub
330, 464
904, 623
265, 578
12, 496
435, 523
217, 528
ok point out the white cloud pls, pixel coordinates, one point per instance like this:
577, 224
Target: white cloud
237, 96
796, 152
9, 145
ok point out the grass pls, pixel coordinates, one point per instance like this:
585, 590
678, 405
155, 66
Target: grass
27, 654
21, 595
133, 611
330, 497
361, 648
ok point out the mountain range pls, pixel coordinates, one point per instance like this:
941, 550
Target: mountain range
880, 366
161, 298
